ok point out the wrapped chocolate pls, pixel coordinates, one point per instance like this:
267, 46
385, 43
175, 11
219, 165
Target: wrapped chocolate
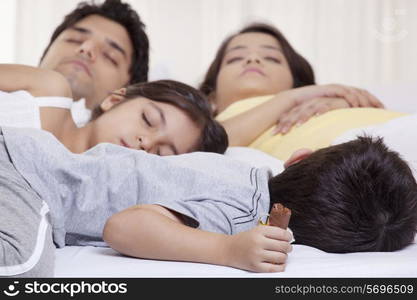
279, 216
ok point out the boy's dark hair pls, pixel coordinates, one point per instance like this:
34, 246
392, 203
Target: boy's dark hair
353, 197
123, 14
301, 70
188, 99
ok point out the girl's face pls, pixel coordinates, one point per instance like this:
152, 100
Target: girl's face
253, 65
156, 127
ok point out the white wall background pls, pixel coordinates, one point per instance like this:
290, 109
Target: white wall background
358, 42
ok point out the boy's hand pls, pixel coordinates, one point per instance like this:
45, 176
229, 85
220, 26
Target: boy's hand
261, 249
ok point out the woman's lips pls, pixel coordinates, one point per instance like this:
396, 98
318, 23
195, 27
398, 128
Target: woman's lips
254, 70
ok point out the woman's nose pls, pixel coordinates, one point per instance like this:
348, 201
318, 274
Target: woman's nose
253, 59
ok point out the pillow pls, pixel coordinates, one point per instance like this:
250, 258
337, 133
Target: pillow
255, 158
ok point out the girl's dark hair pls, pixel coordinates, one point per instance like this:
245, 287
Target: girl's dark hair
123, 14
301, 70
353, 197
188, 99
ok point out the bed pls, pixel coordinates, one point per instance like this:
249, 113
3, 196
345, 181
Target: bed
304, 261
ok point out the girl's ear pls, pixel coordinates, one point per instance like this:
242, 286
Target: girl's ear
297, 156
112, 99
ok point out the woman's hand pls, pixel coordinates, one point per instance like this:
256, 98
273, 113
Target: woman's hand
317, 99
302, 112
261, 249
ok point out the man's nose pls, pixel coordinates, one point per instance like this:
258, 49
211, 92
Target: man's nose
88, 49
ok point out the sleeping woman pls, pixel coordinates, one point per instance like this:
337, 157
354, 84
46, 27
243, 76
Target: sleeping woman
162, 117
257, 80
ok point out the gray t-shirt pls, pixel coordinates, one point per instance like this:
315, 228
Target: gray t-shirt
214, 192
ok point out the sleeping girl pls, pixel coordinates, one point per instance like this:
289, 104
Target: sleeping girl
163, 117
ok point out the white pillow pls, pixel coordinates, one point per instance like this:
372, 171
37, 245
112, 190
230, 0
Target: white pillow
255, 158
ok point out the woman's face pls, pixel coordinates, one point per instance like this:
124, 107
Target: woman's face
143, 124
253, 65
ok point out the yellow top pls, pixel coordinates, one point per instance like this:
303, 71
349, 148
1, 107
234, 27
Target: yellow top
318, 132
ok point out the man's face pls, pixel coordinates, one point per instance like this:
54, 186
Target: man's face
94, 55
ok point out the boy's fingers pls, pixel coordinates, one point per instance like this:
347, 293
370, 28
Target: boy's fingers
277, 246
266, 267
276, 233
274, 257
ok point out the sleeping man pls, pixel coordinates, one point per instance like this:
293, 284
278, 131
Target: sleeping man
201, 207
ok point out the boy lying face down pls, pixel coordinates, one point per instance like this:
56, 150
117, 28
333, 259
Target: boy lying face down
356, 196
198, 207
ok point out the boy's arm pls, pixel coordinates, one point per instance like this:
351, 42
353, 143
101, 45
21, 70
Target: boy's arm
154, 232
37, 81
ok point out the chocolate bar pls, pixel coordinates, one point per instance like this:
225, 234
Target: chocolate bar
279, 216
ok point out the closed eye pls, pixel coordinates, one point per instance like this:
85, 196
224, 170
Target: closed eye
146, 120
273, 59
234, 59
112, 60
70, 40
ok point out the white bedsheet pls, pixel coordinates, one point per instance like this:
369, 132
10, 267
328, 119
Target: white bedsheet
303, 261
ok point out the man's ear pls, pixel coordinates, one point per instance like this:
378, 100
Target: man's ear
297, 156
112, 99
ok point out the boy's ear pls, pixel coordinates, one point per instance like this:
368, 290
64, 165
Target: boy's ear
112, 99
297, 156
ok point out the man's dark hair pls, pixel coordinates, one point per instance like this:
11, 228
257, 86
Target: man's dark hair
353, 197
301, 70
188, 99
120, 13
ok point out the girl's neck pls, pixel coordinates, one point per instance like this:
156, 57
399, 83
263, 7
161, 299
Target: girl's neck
77, 140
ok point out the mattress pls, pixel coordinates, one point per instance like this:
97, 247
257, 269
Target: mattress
303, 261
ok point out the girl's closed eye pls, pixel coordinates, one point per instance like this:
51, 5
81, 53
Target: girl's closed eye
146, 119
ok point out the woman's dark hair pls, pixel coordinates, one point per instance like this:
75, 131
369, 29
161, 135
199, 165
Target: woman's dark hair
188, 99
353, 197
301, 70
120, 13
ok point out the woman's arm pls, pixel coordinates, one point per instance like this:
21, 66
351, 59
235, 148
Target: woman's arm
154, 232
246, 127
37, 81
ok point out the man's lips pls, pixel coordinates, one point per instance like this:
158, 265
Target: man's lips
81, 65
255, 70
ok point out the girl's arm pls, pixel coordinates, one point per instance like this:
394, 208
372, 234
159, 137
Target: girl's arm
154, 232
244, 128
37, 81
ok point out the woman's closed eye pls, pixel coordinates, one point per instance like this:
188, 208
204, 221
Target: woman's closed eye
273, 59
233, 59
74, 41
